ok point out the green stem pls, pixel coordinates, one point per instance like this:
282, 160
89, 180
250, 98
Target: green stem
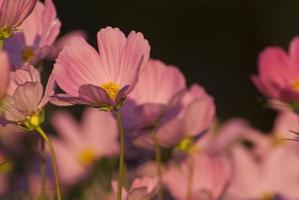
190, 178
158, 159
43, 171
1, 44
121, 155
54, 161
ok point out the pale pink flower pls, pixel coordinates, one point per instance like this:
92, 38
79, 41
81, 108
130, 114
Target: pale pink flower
82, 144
12, 14
23, 106
210, 176
36, 36
220, 138
278, 77
155, 103
101, 79
144, 188
62, 41
4, 71
274, 175
198, 112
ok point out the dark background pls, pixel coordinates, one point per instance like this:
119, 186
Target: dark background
214, 43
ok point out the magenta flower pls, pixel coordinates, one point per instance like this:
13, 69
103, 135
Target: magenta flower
12, 14
100, 79
82, 144
267, 178
210, 176
4, 71
155, 103
144, 188
278, 77
23, 106
37, 35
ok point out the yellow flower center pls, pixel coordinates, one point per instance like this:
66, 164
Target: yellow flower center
267, 196
185, 144
111, 89
34, 120
86, 157
27, 54
5, 33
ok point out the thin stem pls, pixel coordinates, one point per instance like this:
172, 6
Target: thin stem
43, 171
54, 161
1, 44
121, 155
157, 159
190, 178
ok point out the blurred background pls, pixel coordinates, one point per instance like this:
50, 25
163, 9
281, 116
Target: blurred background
215, 43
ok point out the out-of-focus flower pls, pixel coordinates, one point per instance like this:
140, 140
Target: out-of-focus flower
278, 77
144, 188
206, 175
101, 79
197, 115
81, 145
4, 71
12, 14
274, 175
23, 106
62, 41
38, 33
155, 103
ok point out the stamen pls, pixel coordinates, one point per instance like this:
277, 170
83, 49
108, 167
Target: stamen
27, 54
5, 33
86, 157
111, 88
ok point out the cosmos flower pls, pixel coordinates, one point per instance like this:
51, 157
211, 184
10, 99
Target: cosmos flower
274, 176
144, 188
155, 103
37, 35
59, 44
80, 145
12, 14
100, 79
278, 77
23, 106
4, 71
210, 176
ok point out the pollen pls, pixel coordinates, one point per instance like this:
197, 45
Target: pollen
86, 157
5, 33
111, 89
27, 54
34, 121
185, 145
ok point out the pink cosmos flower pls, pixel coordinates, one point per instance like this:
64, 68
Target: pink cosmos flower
210, 176
23, 106
81, 145
198, 112
4, 71
278, 77
37, 35
144, 188
101, 79
155, 103
12, 14
276, 175
62, 41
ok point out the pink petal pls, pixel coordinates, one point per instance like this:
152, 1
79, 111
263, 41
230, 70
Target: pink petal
14, 12
4, 71
76, 65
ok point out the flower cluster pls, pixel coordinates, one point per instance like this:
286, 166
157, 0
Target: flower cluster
144, 133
